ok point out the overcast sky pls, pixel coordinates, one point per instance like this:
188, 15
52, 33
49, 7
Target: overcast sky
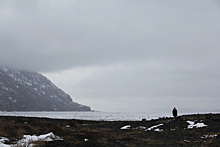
119, 55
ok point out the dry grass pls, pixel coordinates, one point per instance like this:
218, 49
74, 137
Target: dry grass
12, 129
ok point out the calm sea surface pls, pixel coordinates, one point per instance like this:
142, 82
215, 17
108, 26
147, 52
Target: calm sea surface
107, 116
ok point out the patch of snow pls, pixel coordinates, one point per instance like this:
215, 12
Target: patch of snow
126, 127
86, 139
2, 141
4, 145
190, 122
141, 128
5, 88
42, 86
28, 139
158, 130
29, 84
197, 125
187, 141
5, 69
200, 125
154, 127
43, 92
209, 136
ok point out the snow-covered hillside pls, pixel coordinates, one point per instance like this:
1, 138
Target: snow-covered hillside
22, 90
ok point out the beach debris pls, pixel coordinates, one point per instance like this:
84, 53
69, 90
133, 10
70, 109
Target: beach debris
192, 124
126, 127
155, 128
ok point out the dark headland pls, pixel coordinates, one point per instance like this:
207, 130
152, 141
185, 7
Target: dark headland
186, 130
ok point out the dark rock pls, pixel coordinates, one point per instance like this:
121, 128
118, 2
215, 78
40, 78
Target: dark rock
144, 119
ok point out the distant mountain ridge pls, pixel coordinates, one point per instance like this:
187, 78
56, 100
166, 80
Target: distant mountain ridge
22, 90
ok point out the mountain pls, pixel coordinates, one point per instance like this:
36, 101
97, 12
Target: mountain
22, 90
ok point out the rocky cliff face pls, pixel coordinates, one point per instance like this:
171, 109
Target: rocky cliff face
22, 90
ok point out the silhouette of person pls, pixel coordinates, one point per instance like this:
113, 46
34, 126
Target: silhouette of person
174, 112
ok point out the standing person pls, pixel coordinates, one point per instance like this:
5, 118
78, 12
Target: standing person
174, 112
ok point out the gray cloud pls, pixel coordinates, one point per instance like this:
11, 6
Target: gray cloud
158, 53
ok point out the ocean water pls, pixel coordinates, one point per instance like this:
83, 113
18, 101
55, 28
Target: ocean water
106, 116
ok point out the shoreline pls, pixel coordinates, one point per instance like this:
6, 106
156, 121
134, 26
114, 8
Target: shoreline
111, 116
99, 116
